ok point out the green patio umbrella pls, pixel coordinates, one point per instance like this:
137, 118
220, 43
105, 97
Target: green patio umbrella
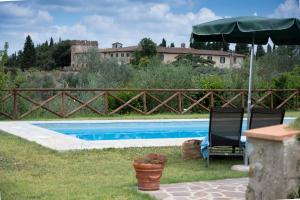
252, 30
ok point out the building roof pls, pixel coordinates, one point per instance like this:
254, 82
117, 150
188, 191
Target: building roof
173, 50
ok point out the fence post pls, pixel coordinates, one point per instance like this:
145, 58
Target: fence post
105, 103
297, 100
272, 100
243, 99
63, 106
212, 102
15, 104
180, 102
145, 102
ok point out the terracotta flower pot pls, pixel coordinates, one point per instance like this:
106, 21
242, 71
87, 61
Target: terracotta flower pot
148, 175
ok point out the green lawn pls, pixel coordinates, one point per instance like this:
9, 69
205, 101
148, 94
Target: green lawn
29, 171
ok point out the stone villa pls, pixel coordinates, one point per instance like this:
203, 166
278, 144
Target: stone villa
221, 58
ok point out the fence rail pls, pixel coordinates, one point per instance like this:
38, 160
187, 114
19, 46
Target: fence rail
25, 102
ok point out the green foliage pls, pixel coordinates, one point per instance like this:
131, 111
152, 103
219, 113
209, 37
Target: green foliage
4, 55
160, 75
198, 45
260, 51
269, 49
195, 61
296, 123
209, 82
62, 53
209, 45
51, 42
3, 61
29, 54
172, 45
103, 73
45, 59
295, 194
43, 56
288, 80
15, 78
242, 48
147, 49
163, 43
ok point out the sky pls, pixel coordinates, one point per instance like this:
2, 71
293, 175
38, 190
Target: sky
125, 21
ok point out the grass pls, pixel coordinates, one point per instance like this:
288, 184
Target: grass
139, 116
30, 171
296, 124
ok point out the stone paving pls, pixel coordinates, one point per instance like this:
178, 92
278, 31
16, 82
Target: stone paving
233, 189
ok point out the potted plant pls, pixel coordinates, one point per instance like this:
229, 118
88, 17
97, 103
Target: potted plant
148, 170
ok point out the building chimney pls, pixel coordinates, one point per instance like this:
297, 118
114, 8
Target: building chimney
117, 45
182, 45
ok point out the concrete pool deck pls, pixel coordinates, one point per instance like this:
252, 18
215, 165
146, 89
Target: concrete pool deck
61, 142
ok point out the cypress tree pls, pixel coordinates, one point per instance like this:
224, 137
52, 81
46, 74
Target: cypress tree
260, 51
29, 55
269, 49
198, 45
172, 45
163, 43
51, 42
242, 48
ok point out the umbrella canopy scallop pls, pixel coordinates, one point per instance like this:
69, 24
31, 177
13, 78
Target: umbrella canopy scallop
250, 30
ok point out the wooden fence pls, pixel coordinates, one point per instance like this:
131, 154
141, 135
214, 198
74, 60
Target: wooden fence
64, 103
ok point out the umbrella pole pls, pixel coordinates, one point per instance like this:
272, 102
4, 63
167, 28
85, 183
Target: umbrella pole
250, 87
249, 101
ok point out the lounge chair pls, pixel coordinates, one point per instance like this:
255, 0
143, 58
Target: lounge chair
225, 127
261, 117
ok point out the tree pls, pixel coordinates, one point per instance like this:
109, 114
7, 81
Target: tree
225, 46
172, 45
51, 42
218, 46
44, 58
242, 48
29, 54
4, 55
198, 45
269, 49
12, 61
163, 43
3, 60
147, 48
260, 51
62, 53
194, 60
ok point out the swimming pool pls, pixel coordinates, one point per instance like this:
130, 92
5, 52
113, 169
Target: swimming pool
127, 130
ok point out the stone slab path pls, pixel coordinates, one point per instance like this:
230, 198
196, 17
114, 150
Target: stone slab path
233, 189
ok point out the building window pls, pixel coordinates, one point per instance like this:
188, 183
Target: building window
209, 57
222, 59
117, 55
122, 54
111, 55
234, 60
128, 55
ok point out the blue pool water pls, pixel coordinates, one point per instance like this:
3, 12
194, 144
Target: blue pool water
132, 130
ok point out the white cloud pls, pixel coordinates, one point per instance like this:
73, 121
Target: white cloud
127, 23
44, 16
14, 10
289, 8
